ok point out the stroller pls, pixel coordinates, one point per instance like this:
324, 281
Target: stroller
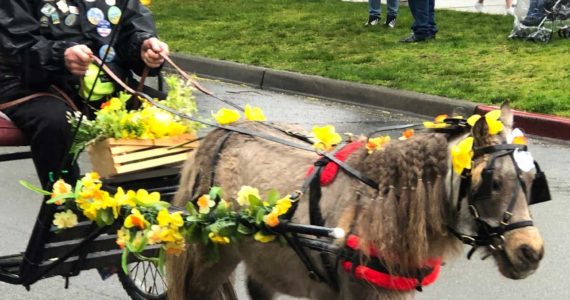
536, 20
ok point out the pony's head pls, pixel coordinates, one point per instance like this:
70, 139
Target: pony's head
503, 181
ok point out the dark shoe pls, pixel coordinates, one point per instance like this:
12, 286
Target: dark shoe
390, 21
372, 21
531, 21
417, 38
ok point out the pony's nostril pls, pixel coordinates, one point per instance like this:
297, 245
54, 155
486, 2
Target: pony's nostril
530, 255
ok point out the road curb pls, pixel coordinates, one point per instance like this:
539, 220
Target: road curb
362, 94
536, 124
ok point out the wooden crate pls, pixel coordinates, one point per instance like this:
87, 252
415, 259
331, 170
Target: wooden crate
118, 156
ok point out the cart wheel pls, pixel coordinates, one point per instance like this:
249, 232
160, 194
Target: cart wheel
144, 281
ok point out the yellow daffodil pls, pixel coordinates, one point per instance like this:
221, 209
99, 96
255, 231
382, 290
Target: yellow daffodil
408, 133
272, 219
493, 121
66, 219
135, 219
144, 198
462, 154
146, 2
153, 235
127, 198
60, 188
123, 237
377, 143
254, 113
244, 193
326, 137
218, 239
517, 137
168, 234
283, 205
226, 116
174, 220
175, 248
91, 180
260, 237
204, 204
113, 104
437, 122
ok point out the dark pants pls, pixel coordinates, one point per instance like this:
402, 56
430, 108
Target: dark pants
423, 12
44, 123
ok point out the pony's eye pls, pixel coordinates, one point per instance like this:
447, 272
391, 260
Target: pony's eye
496, 185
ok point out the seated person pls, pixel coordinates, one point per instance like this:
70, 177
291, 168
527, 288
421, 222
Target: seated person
52, 43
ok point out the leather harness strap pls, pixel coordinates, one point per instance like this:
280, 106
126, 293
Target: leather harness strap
19, 101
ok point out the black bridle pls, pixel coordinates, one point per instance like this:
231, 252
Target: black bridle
487, 234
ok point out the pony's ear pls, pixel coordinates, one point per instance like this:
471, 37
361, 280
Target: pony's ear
507, 117
480, 132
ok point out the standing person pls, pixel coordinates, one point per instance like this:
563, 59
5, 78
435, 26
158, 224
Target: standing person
424, 27
480, 7
47, 43
375, 12
535, 13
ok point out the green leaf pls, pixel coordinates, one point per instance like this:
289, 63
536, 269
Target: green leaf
61, 197
161, 260
259, 216
124, 258
34, 188
215, 192
78, 187
223, 227
254, 201
106, 216
272, 197
244, 230
191, 209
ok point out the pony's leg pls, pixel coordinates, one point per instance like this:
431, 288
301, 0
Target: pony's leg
258, 291
190, 276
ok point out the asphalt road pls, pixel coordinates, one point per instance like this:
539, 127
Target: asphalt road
460, 279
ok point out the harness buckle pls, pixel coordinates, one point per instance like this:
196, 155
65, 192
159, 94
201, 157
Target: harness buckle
497, 242
506, 217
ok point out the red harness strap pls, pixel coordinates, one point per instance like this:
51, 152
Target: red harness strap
331, 169
386, 280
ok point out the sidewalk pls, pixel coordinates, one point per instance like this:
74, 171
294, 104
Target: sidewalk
491, 6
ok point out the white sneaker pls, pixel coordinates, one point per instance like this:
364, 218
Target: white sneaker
510, 11
480, 7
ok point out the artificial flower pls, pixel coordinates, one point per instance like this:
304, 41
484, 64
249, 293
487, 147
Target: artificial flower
218, 239
66, 219
438, 122
260, 237
113, 104
272, 219
253, 113
127, 198
60, 188
175, 248
144, 198
153, 235
283, 205
408, 133
174, 220
226, 116
462, 155
516, 137
493, 121
204, 204
123, 237
135, 219
326, 137
244, 193
377, 143
138, 243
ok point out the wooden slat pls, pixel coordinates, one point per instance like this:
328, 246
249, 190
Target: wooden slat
152, 163
126, 149
147, 154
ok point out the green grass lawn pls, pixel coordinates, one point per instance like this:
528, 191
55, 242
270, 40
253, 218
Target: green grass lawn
471, 59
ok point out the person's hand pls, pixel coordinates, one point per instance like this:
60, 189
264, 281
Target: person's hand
77, 59
151, 52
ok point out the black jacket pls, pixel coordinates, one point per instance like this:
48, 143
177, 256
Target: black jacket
34, 35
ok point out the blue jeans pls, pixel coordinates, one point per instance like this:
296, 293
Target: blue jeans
536, 9
424, 17
375, 9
